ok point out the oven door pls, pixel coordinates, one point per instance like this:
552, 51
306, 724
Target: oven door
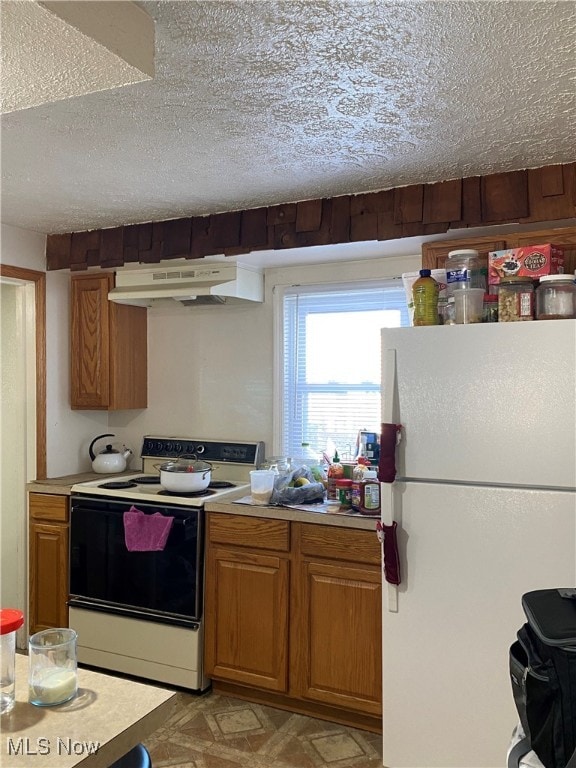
164, 586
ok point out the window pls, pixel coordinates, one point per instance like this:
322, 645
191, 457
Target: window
331, 362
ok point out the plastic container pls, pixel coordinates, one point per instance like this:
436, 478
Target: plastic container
556, 297
490, 308
53, 675
464, 271
370, 494
10, 621
449, 311
308, 456
515, 299
468, 305
335, 472
425, 297
262, 485
279, 464
357, 476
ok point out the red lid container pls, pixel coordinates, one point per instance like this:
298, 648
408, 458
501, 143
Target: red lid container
10, 620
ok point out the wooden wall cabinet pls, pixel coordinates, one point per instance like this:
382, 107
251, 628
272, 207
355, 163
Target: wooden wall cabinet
293, 611
48, 561
434, 254
108, 348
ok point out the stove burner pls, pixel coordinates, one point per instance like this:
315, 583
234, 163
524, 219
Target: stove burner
221, 484
117, 484
190, 495
147, 480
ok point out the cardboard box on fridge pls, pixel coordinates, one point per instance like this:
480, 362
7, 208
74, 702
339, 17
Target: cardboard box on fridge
528, 261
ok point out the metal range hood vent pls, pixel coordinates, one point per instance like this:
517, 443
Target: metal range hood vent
190, 286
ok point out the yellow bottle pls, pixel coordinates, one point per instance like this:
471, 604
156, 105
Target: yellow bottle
425, 296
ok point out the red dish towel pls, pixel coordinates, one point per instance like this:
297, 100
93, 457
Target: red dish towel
387, 462
146, 533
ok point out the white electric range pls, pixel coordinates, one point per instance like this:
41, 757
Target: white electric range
141, 612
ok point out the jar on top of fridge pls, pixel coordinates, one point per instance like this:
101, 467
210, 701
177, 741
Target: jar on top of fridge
556, 297
515, 299
464, 271
490, 308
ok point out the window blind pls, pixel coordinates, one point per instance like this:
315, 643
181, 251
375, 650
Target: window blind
331, 362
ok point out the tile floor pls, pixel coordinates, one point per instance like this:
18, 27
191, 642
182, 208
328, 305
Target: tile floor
215, 731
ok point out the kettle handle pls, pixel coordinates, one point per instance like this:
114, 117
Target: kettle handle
90, 451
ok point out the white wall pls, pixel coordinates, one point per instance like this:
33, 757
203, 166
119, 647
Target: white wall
67, 430
13, 447
211, 368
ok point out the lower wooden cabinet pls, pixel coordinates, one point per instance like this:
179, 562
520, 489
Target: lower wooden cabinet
248, 597
294, 610
48, 561
339, 661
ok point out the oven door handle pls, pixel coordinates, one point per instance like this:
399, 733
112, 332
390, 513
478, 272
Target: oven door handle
122, 610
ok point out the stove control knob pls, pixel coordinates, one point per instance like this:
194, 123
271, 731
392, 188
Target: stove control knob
159, 446
189, 448
178, 448
169, 447
200, 449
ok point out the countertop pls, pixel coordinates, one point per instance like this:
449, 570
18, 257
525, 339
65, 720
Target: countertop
109, 712
229, 507
62, 486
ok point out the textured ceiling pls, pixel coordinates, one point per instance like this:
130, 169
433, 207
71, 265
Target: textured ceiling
54, 50
257, 103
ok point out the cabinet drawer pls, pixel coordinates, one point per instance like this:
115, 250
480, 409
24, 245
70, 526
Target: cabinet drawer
339, 543
48, 506
253, 532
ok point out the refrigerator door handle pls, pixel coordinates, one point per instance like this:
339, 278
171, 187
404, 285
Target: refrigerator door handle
387, 489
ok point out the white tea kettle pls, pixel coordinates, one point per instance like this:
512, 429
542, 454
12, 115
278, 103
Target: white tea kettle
109, 460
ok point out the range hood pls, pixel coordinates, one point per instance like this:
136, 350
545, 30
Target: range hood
189, 285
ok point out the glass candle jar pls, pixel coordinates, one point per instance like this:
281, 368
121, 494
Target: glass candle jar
556, 297
515, 299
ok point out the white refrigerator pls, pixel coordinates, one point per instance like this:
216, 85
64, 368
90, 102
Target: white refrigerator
485, 505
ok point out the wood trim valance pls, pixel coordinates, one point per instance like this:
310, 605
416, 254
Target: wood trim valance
540, 194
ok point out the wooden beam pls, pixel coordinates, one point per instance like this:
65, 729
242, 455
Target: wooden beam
541, 194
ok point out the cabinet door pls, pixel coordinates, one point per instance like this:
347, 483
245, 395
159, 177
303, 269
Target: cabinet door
337, 648
434, 254
90, 341
246, 618
109, 348
48, 576
128, 357
565, 236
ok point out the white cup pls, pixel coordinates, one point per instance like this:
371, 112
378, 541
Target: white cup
468, 305
261, 485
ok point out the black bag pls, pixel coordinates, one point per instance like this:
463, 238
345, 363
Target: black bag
543, 674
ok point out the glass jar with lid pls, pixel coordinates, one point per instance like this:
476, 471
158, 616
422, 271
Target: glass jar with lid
556, 297
515, 299
490, 309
